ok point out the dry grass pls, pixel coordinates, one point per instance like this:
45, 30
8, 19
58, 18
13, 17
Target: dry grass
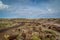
31, 29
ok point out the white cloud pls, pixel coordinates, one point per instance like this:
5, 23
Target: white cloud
49, 10
31, 11
3, 6
34, 11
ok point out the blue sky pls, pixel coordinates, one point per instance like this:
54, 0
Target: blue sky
29, 8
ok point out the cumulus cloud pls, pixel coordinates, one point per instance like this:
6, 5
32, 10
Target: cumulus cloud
3, 6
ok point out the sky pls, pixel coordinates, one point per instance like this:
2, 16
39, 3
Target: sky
29, 8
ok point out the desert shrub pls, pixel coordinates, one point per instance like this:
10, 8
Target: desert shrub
6, 37
52, 38
51, 35
47, 38
50, 31
35, 37
19, 37
10, 37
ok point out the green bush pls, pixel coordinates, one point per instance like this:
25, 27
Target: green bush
34, 37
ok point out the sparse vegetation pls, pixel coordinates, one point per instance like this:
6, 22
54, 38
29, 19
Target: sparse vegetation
29, 29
